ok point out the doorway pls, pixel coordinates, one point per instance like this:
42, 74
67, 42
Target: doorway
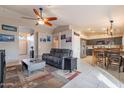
26, 41
23, 44
56, 42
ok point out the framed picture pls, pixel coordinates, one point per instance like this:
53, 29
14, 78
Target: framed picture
7, 38
49, 38
69, 39
9, 28
41, 39
44, 40
63, 36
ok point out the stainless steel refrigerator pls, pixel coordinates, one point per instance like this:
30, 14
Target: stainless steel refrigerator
2, 68
83, 48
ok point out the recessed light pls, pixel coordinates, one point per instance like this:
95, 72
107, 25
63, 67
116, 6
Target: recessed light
89, 29
103, 29
93, 31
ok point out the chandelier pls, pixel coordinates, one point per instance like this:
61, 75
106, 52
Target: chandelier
110, 29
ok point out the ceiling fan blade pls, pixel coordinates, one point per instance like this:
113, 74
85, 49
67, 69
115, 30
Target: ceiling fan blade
36, 12
47, 23
29, 18
51, 18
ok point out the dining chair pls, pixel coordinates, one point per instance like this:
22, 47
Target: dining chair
114, 60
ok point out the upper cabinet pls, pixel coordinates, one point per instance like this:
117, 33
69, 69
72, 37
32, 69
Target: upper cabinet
105, 41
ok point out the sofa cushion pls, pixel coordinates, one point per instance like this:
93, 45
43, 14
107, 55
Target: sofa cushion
56, 59
45, 56
50, 58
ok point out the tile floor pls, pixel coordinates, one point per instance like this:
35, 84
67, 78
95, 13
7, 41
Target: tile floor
93, 77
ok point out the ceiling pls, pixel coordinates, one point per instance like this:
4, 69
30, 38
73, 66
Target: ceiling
79, 17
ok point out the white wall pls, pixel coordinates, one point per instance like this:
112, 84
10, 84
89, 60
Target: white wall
76, 44
11, 48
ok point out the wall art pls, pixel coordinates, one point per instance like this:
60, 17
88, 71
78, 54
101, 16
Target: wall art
9, 28
69, 39
63, 36
6, 38
48, 38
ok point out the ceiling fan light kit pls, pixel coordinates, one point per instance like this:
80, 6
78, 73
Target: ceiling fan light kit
40, 22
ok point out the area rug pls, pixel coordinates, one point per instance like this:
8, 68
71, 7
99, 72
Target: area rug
12, 79
66, 74
50, 77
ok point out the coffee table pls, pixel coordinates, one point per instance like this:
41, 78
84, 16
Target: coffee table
32, 64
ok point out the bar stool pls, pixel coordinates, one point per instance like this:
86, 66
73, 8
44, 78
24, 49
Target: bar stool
101, 58
115, 60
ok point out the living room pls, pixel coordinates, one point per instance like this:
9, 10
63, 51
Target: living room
58, 54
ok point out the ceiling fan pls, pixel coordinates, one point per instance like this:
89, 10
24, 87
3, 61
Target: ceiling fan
40, 19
